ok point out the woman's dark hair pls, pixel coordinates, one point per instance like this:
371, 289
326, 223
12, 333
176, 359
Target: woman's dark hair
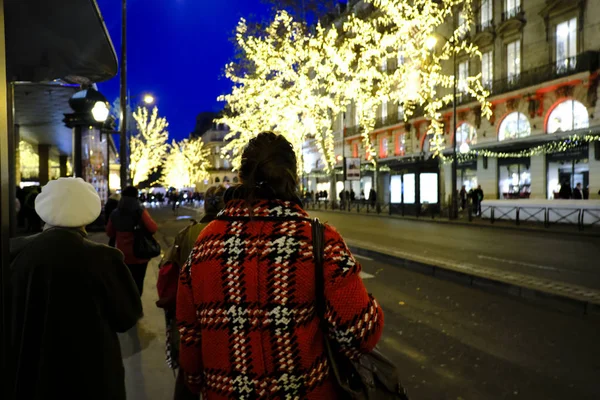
268, 169
214, 199
130, 191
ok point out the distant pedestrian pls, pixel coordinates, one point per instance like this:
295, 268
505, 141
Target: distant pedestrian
111, 205
70, 296
477, 200
372, 197
463, 197
352, 195
565, 192
121, 224
246, 299
577, 192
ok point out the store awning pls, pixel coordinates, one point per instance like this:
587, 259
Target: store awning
58, 39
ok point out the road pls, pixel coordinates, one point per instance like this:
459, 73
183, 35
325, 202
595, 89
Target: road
448, 340
564, 258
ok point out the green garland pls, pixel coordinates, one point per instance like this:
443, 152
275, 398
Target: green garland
566, 144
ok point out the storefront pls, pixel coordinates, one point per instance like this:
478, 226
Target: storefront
567, 168
414, 188
467, 175
514, 178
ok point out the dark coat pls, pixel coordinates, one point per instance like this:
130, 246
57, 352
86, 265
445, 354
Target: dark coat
70, 297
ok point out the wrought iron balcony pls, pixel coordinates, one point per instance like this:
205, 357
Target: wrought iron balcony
512, 13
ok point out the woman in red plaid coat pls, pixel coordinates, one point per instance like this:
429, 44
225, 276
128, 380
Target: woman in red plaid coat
246, 299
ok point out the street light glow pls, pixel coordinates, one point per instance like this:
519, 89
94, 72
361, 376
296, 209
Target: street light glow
148, 99
431, 42
464, 148
100, 111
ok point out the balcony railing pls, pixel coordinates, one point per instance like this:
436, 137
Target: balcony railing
584, 62
512, 13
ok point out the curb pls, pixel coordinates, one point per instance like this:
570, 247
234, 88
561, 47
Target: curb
563, 297
522, 228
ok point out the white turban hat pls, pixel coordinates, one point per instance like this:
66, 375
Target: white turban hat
68, 203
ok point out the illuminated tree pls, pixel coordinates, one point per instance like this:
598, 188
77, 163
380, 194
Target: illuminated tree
148, 145
186, 163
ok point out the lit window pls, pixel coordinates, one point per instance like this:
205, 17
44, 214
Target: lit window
400, 112
463, 74
384, 110
566, 45
355, 150
512, 8
356, 116
486, 14
401, 56
567, 116
384, 64
466, 133
514, 126
487, 69
513, 59
383, 148
400, 144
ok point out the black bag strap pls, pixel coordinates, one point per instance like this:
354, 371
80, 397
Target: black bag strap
318, 239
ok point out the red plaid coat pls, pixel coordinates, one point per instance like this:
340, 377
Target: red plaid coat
246, 306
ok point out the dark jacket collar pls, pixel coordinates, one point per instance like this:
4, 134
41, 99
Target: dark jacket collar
263, 209
129, 204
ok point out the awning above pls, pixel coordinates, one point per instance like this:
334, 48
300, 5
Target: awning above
58, 39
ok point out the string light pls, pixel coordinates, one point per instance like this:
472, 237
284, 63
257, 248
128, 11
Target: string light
186, 164
148, 145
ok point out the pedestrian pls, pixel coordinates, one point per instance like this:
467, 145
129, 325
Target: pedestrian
565, 192
478, 194
246, 298
463, 197
123, 220
577, 192
111, 205
70, 296
168, 278
352, 195
372, 197
342, 198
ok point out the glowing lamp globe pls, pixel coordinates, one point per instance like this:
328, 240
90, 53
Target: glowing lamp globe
464, 148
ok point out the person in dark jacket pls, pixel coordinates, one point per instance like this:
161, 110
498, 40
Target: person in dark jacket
372, 197
171, 264
577, 192
123, 220
111, 205
463, 197
565, 192
70, 297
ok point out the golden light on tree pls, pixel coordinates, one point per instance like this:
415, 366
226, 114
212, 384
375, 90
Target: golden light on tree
29, 160
148, 145
186, 163
297, 82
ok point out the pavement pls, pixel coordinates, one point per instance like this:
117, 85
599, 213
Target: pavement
448, 340
561, 264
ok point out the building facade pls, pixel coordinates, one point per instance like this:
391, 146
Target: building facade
540, 62
220, 172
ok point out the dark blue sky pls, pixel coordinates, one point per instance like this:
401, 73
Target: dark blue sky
177, 50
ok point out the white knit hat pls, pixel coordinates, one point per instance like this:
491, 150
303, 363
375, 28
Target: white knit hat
68, 203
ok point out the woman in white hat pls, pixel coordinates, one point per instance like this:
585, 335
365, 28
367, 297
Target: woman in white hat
69, 298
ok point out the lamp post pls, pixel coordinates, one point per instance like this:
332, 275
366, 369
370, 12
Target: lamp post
124, 171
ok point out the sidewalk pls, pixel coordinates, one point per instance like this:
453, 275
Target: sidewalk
534, 264
476, 222
147, 376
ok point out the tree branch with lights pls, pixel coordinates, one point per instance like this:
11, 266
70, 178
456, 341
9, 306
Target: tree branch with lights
186, 163
148, 145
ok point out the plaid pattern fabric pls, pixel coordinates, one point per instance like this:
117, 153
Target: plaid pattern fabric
246, 306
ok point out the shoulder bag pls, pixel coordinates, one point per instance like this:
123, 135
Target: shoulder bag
370, 376
145, 245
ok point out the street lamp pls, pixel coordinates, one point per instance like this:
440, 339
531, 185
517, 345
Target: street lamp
100, 111
148, 99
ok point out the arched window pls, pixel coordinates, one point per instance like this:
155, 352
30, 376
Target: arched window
226, 180
217, 180
466, 133
515, 125
567, 116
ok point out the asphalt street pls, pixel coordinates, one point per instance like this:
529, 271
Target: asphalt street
448, 340
564, 258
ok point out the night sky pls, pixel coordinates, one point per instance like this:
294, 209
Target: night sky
177, 50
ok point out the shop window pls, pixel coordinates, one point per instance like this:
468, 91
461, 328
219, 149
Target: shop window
513, 60
409, 189
467, 177
566, 45
429, 188
515, 181
466, 133
515, 125
567, 116
396, 189
566, 170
